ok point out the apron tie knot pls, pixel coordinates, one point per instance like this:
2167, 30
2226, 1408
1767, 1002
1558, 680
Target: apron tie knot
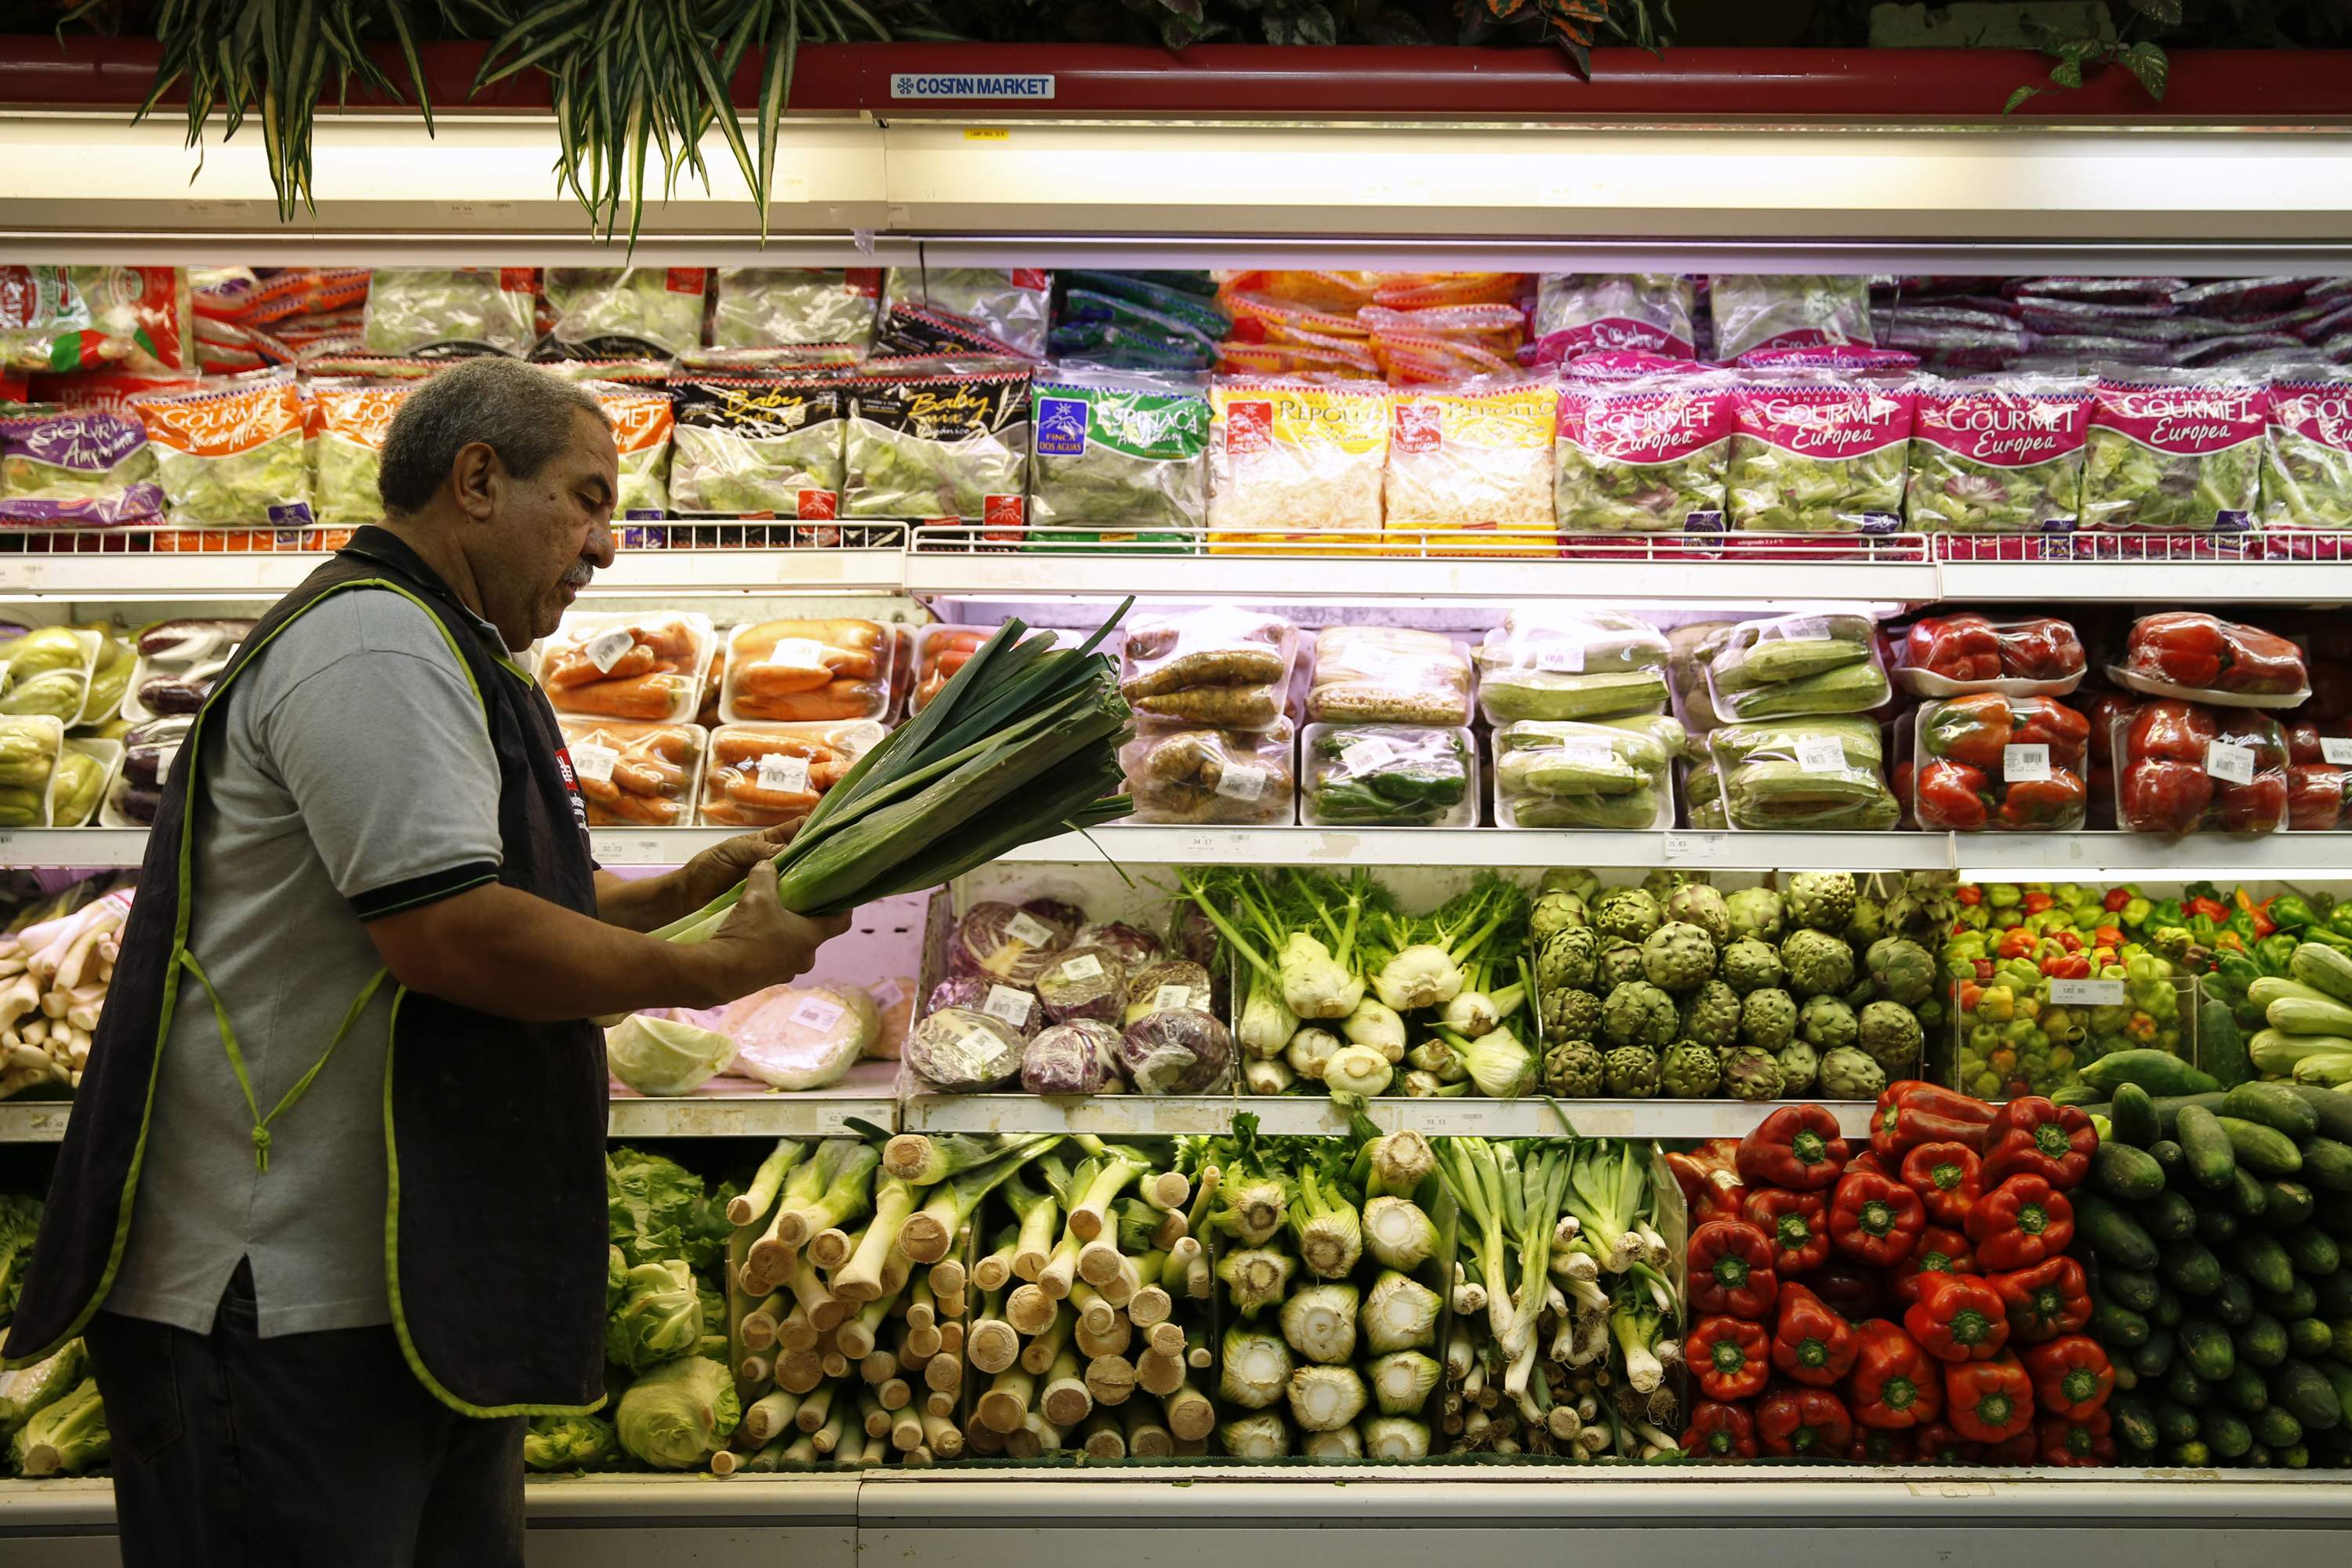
260, 1148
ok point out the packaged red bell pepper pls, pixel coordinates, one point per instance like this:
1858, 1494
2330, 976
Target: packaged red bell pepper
2317, 795
2003, 763
1810, 1343
1991, 1401
1798, 1422
2181, 767
2050, 1299
2204, 658
1895, 1384
1948, 655
1719, 1430
2019, 1223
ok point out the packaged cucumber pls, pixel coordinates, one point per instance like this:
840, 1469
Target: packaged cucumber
1808, 773
1788, 666
1569, 775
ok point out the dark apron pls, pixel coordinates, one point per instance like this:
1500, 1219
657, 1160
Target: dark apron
494, 1129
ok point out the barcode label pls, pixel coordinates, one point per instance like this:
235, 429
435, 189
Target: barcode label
1029, 930
1241, 783
2230, 764
1085, 967
605, 648
1005, 1002
1364, 755
1820, 754
816, 1012
2336, 749
796, 653
2025, 763
1171, 999
593, 763
782, 774
1560, 657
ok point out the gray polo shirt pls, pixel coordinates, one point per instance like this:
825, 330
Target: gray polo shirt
350, 763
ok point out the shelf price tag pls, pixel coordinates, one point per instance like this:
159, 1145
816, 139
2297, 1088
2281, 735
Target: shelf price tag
2087, 992
2230, 764
2025, 763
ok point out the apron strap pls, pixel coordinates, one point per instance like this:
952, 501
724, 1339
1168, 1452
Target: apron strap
188, 961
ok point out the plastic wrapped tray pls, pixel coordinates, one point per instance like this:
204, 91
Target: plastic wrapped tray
807, 671
1388, 775
648, 667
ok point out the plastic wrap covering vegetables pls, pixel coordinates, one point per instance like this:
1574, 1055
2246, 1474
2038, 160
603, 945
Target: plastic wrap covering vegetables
175, 665
1790, 666
745, 446
68, 318
636, 775
608, 309
963, 1050
1555, 773
945, 438
2175, 452
643, 420
1819, 454
233, 456
411, 308
1218, 666
1180, 775
1998, 455
1987, 760
1389, 675
1948, 655
807, 671
1297, 461
1389, 775
1474, 456
2185, 767
2189, 654
666, 1056
754, 307
148, 750
59, 467
1009, 305
1643, 455
1080, 1056
1119, 457
1579, 313
800, 1038
2015, 1037
761, 775
1788, 312
47, 672
352, 423
647, 668
2306, 480
1556, 665
29, 746
1804, 774
1136, 320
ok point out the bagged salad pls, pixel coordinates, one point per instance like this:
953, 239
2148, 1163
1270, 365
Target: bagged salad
1136, 320
76, 468
1389, 775
1389, 674
760, 307
349, 452
1563, 664
1814, 774
1998, 455
412, 310
73, 319
1008, 305
2308, 451
1790, 666
940, 440
643, 423
758, 446
2175, 452
1587, 775
1120, 457
1223, 667
1819, 454
1643, 456
1788, 312
624, 310
1474, 456
231, 455
1296, 459
1579, 313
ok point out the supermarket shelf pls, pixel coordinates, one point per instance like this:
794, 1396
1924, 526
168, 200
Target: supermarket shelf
34, 1121
1120, 1115
865, 1096
1112, 1115
128, 846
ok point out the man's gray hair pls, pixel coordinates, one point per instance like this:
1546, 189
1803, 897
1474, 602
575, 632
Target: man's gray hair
524, 413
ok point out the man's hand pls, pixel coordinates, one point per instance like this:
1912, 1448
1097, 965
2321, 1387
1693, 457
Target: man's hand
728, 862
760, 942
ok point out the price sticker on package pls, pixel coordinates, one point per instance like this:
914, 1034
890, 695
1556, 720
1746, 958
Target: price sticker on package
1029, 930
1366, 755
816, 1012
1084, 966
796, 653
593, 763
605, 648
2230, 764
1240, 783
1171, 999
1587, 755
1820, 754
2336, 748
782, 774
2087, 992
888, 993
1560, 657
1005, 1002
2025, 763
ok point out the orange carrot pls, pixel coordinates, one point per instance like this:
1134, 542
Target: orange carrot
653, 696
576, 669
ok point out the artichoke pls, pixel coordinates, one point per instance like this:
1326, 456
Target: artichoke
1821, 900
1847, 1074
1825, 1024
1631, 1072
1750, 964
1574, 1070
1571, 1014
1689, 1070
1663, 882
1866, 924
1626, 913
1768, 1019
1750, 1073
1891, 1035
1566, 959
1819, 964
1800, 1064
1555, 911
1756, 912
1701, 906
1638, 1014
1678, 957
1621, 963
1711, 1015
1900, 970
1573, 880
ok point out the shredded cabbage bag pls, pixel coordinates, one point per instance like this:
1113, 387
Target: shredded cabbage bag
72, 467
68, 318
1008, 305
750, 446
352, 423
1642, 456
616, 310
2175, 452
1820, 455
942, 438
1118, 457
1290, 459
1998, 455
1579, 313
2307, 452
232, 455
412, 310
1476, 456
762, 307
1766, 312
641, 421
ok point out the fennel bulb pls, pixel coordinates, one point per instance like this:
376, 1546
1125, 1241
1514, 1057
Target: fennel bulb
1325, 1398
1471, 1012
1395, 1437
1266, 1024
1309, 1050
1264, 1436
1268, 1077
1376, 1024
1254, 1278
1420, 975
1343, 1444
1398, 1234
1399, 1314
1357, 1070
1314, 984
1402, 1381
1499, 1064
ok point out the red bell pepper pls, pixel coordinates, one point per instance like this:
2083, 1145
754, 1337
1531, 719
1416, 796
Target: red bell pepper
1851, 1288
1911, 1113
2076, 1441
2046, 721
1798, 1147
1958, 647
1796, 1422
2035, 902
1878, 1446
1991, 1401
2050, 1299
2041, 803
1972, 730
2161, 797
1811, 1344
1941, 1250
2019, 1222
1937, 1444
2018, 942
1866, 1159
1952, 797
1731, 1271
2044, 648
2019, 1450
1731, 1359
2189, 648
1957, 1318
1797, 1224
2032, 1137
1710, 1183
2072, 1376
1895, 1384
1875, 1220
1720, 1431
1947, 1177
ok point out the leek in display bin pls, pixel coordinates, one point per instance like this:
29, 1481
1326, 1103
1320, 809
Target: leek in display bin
636, 775
1565, 774
762, 776
178, 662
807, 671
47, 672
1792, 666
1816, 775
30, 745
1985, 761
1389, 775
1556, 665
1223, 667
1388, 675
644, 666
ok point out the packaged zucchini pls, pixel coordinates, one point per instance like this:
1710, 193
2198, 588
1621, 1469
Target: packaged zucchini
1119, 457
1809, 774
757, 447
1792, 664
1563, 664
1589, 775
940, 440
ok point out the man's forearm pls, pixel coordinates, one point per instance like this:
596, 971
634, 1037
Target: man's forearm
644, 903
504, 951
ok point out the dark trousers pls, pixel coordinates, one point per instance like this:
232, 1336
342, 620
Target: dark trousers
307, 1449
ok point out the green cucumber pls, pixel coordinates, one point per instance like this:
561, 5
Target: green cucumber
2207, 1348
2274, 1428
2309, 1337
2315, 1251
2182, 1382
2175, 1423
2333, 1294
2189, 1456
2112, 1234
2158, 1072
2152, 1358
2274, 1105
2134, 1288
2165, 1152
2132, 1115
2263, 1341
2335, 1108
2247, 1194
2285, 1203
2112, 1323
2245, 1388
2264, 1150
2233, 1304
2169, 1108
2265, 1261
2170, 1217
2170, 1305
2297, 1301
2307, 1394
2191, 1267
2134, 1424
2327, 1163
2211, 1159
2221, 1045
2123, 1172
2216, 1224
2224, 1432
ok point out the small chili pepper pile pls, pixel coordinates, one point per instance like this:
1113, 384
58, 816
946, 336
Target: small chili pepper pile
1910, 1298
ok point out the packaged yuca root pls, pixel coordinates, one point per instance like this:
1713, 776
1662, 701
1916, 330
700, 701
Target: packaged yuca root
1646, 456
762, 776
636, 775
941, 439
646, 667
807, 670
1294, 461
1118, 457
1571, 664
1767, 312
643, 423
72, 468
1009, 305
1590, 775
1998, 455
349, 452
623, 310
2175, 452
758, 446
1578, 313
1819, 455
1474, 456
1204, 774
759, 307
74, 319
412, 310
1221, 666
2307, 451
1388, 675
233, 454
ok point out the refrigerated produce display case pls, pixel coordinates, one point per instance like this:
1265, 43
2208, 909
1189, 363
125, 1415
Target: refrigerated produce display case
1861, 642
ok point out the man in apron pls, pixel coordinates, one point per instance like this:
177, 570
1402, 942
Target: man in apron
331, 1209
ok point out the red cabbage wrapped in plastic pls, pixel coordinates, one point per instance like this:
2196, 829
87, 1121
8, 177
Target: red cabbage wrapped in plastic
1084, 983
1000, 942
961, 1050
1135, 946
1171, 985
1080, 1056
1176, 1052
